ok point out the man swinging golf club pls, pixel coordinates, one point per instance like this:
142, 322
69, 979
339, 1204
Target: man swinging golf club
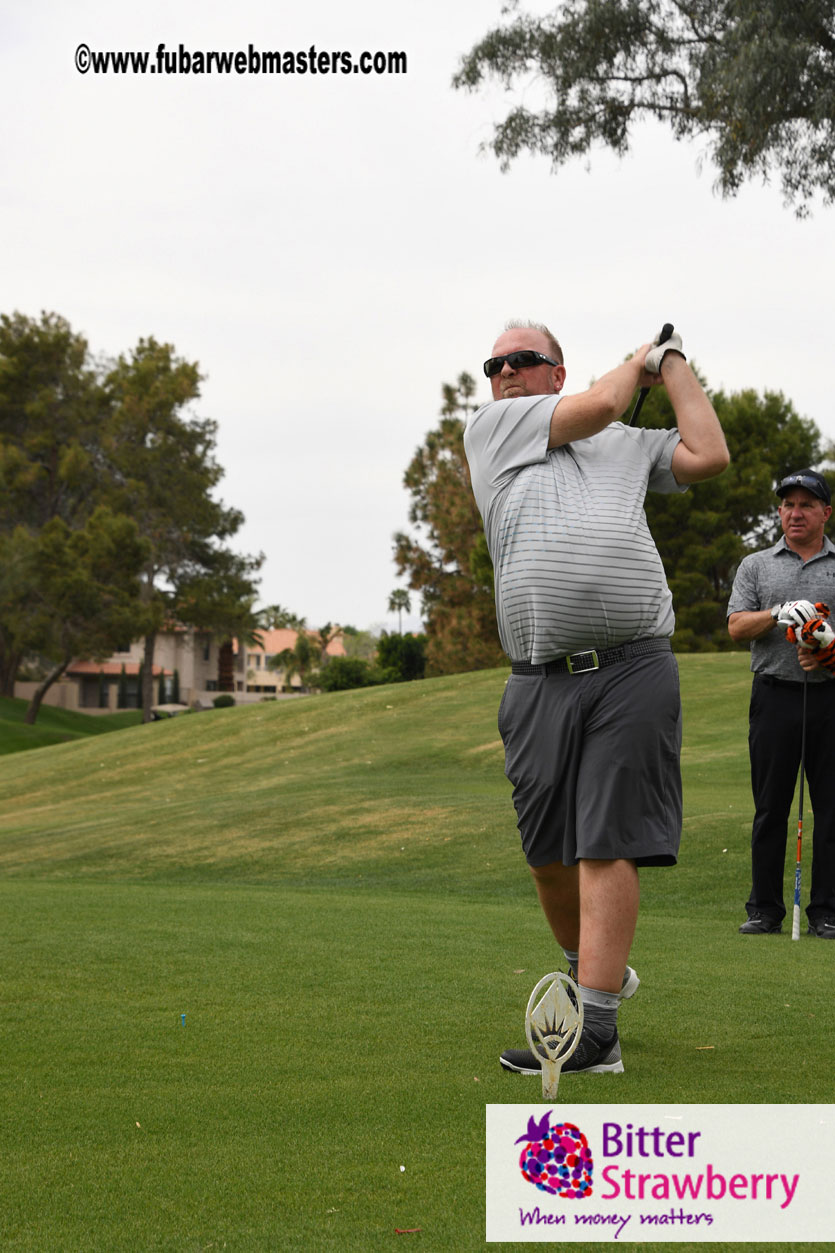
789, 586
590, 717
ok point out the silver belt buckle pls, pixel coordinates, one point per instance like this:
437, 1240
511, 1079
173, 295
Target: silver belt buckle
577, 663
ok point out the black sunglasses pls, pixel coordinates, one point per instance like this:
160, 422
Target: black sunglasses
521, 360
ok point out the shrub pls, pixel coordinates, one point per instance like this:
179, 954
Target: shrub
224, 701
342, 673
402, 657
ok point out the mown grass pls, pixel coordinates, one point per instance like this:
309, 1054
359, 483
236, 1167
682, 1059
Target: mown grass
331, 891
54, 726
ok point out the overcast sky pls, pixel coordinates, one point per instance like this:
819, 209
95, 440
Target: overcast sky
333, 248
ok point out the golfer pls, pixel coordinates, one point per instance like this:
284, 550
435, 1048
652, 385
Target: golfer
590, 717
773, 588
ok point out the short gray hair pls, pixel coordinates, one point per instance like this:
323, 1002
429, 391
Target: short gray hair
518, 325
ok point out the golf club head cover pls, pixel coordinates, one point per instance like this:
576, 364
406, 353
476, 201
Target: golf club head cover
793, 613
656, 354
819, 635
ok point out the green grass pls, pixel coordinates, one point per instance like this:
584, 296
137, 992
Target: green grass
54, 726
332, 892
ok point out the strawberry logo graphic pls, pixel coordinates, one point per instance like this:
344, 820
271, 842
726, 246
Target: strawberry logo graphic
556, 1159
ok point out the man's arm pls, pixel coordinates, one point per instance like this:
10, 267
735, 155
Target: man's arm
750, 624
587, 413
702, 452
753, 624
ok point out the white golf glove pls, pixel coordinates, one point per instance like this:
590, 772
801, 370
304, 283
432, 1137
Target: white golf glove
793, 613
656, 355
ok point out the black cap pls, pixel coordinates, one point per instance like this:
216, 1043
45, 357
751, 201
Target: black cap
811, 480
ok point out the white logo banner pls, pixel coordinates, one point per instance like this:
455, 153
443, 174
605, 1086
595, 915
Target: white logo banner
630, 1173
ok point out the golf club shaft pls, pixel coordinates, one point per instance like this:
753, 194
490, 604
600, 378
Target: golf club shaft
796, 912
666, 332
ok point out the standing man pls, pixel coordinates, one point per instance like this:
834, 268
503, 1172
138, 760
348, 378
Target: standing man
590, 717
773, 590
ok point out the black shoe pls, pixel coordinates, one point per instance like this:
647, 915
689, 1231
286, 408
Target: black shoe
823, 928
591, 1056
758, 924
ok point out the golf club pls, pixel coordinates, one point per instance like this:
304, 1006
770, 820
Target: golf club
666, 331
796, 914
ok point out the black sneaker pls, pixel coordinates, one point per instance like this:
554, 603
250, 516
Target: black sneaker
591, 1056
823, 928
758, 924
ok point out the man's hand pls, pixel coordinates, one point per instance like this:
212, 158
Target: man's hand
818, 636
656, 354
795, 613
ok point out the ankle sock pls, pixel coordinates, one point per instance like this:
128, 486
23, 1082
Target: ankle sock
600, 1012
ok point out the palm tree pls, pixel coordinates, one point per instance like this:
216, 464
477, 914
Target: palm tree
276, 616
398, 601
324, 636
301, 659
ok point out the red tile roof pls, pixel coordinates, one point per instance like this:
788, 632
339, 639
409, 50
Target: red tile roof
110, 667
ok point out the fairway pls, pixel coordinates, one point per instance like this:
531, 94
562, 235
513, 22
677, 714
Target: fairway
258, 966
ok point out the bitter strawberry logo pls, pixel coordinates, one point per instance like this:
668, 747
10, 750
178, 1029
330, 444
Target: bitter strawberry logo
556, 1159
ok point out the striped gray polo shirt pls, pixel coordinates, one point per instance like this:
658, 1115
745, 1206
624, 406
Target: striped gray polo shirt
575, 565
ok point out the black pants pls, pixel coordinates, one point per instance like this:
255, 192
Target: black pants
774, 741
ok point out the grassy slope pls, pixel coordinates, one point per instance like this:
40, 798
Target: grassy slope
54, 726
340, 873
399, 787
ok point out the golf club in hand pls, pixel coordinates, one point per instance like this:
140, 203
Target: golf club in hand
666, 331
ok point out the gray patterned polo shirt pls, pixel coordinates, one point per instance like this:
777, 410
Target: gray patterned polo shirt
771, 577
574, 562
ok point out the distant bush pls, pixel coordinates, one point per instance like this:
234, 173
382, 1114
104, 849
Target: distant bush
224, 700
342, 673
402, 657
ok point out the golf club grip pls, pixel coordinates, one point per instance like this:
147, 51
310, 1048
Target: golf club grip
796, 923
666, 331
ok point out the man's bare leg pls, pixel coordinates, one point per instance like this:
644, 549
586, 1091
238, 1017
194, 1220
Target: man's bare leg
609, 897
558, 889
592, 908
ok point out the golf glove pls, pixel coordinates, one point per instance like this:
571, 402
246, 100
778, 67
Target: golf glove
793, 613
656, 354
819, 635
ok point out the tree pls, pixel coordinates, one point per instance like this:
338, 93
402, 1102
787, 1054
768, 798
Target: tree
303, 659
276, 617
80, 441
358, 643
324, 636
755, 78
165, 470
84, 585
401, 657
449, 564
398, 601
704, 533
122, 689
51, 414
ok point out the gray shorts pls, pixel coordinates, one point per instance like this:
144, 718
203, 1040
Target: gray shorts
594, 762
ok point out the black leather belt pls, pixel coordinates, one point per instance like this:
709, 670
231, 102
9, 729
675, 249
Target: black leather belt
594, 658
770, 681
